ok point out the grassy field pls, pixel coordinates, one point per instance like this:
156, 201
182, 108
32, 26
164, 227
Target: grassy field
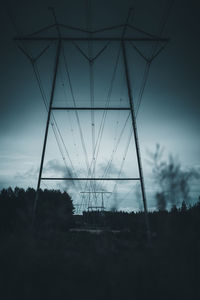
50, 262
66, 265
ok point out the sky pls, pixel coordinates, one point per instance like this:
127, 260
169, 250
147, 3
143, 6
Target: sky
168, 114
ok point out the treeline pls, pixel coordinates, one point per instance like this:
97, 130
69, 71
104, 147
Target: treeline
54, 209
55, 212
161, 221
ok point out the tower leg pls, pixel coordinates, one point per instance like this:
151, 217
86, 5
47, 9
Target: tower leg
136, 138
47, 129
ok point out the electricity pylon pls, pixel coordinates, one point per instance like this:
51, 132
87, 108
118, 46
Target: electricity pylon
59, 39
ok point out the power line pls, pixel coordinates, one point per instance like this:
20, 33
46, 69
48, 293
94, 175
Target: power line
116, 147
123, 158
155, 51
36, 72
76, 113
103, 119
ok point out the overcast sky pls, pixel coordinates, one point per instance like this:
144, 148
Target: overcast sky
170, 107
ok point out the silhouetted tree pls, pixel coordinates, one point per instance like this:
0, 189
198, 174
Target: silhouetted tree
183, 207
161, 201
54, 210
172, 180
174, 209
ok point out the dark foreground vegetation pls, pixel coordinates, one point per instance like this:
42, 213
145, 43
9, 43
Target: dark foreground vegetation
50, 262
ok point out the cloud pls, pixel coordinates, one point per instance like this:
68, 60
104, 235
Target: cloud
112, 169
54, 166
31, 173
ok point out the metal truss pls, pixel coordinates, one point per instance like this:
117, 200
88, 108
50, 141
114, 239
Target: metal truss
122, 39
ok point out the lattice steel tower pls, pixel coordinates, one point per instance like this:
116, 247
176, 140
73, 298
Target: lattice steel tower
90, 37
